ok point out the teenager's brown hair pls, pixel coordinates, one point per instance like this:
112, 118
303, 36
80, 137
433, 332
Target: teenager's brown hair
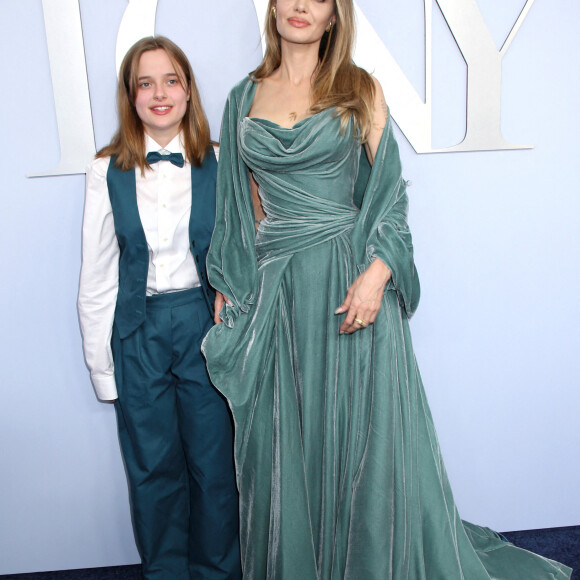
337, 81
128, 143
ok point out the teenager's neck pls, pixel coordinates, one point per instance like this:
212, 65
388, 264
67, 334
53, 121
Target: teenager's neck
162, 139
298, 63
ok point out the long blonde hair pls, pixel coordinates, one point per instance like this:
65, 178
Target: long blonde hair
128, 143
337, 81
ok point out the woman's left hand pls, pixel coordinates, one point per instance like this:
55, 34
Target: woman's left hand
363, 299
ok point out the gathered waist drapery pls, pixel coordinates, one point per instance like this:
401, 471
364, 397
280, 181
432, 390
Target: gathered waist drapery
281, 235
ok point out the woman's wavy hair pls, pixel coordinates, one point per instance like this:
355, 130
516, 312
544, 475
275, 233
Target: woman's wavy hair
337, 81
128, 143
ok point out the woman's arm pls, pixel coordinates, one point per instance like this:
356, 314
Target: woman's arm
231, 261
380, 117
99, 281
259, 215
363, 299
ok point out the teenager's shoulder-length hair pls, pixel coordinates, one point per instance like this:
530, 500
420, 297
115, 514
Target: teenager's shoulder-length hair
338, 82
128, 143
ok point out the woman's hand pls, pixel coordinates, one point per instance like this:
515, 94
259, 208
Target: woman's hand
363, 299
218, 304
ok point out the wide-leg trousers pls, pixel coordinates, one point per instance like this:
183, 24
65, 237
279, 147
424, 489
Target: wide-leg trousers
176, 436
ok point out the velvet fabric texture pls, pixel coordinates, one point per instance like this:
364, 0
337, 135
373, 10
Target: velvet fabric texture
338, 467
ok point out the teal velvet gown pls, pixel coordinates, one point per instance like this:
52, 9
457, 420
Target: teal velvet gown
338, 466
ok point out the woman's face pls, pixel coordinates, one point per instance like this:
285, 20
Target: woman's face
161, 100
303, 21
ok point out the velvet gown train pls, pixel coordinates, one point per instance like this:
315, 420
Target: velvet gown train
338, 466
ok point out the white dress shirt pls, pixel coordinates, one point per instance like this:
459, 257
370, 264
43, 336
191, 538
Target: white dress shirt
164, 203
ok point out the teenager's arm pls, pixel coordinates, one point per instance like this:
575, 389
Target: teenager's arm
99, 281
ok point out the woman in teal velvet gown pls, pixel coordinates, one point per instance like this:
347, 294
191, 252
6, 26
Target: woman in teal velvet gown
338, 466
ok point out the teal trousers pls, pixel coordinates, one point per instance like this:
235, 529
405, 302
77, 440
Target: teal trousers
176, 436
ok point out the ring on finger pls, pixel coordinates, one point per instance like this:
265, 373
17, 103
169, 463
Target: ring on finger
360, 321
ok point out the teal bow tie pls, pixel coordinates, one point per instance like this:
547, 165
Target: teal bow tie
175, 158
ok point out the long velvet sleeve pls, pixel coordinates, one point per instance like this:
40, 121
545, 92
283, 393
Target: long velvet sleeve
231, 261
381, 230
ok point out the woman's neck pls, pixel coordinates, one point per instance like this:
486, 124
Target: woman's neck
298, 63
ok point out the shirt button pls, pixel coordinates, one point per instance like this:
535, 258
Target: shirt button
161, 265
164, 205
164, 239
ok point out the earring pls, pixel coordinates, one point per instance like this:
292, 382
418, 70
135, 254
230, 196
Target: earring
274, 12
329, 27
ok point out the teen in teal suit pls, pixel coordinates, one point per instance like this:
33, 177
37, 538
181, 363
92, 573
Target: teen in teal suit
145, 305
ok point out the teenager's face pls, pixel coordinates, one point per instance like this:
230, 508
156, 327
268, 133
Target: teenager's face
303, 21
161, 100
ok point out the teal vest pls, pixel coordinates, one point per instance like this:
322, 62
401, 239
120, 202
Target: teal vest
134, 255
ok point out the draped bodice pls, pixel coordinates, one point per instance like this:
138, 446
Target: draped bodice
306, 176
316, 186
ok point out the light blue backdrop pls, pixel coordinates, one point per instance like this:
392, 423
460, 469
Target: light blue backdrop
496, 237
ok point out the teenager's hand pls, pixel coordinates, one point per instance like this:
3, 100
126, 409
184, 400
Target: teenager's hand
363, 299
218, 304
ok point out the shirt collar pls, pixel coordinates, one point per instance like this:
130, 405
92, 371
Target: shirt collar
174, 146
